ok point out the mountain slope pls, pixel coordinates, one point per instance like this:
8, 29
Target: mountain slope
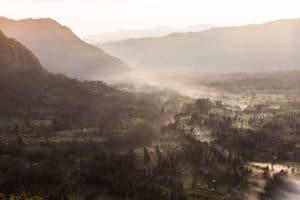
251, 48
27, 88
14, 56
29, 92
131, 34
60, 50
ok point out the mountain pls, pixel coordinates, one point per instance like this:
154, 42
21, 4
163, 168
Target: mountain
26, 88
15, 57
251, 48
60, 50
131, 34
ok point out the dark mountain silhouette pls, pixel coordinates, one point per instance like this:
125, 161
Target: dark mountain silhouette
252, 48
60, 50
26, 88
15, 57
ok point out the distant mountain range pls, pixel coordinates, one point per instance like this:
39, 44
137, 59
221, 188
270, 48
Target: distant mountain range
132, 34
251, 48
60, 50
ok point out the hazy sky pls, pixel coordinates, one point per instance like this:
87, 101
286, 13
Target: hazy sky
92, 16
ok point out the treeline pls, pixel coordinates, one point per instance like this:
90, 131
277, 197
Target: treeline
54, 171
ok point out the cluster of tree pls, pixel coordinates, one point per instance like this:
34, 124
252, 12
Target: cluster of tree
22, 196
206, 161
56, 169
160, 182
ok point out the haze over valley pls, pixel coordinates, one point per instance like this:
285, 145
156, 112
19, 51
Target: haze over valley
133, 112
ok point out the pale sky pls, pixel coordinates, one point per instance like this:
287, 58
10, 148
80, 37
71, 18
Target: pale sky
86, 17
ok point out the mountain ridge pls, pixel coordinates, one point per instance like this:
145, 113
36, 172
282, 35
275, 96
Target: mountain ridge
60, 50
254, 47
160, 31
27, 88
14, 56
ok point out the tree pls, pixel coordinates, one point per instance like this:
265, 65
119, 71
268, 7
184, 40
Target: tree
146, 155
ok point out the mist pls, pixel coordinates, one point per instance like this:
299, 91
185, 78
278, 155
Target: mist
189, 112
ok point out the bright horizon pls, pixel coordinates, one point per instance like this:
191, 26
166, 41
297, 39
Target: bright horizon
86, 17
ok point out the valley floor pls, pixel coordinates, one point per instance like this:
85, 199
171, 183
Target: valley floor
171, 146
